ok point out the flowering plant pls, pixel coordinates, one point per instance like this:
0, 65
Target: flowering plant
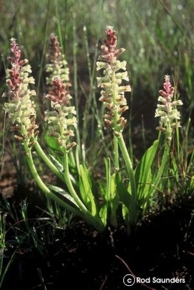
167, 111
132, 189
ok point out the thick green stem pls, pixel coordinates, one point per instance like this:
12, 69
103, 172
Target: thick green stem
43, 186
162, 166
116, 155
69, 184
81, 211
47, 161
128, 163
33, 170
115, 125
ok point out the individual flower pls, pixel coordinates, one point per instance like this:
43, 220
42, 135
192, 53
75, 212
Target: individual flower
20, 109
167, 109
114, 73
61, 118
57, 66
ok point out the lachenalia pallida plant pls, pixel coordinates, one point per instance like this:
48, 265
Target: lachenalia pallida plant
113, 96
60, 116
169, 124
167, 109
144, 180
61, 121
131, 188
114, 73
113, 91
21, 109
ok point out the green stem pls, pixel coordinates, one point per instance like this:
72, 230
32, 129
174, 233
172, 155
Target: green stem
75, 84
81, 210
69, 184
43, 186
77, 149
116, 154
39, 105
59, 24
127, 160
163, 166
33, 170
132, 208
129, 167
47, 161
115, 125
54, 169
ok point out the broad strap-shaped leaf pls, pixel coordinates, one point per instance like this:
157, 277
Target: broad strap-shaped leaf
103, 214
143, 172
57, 163
52, 143
123, 192
85, 186
163, 169
111, 196
60, 168
63, 193
64, 199
114, 200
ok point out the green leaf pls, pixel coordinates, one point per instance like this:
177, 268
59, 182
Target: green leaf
143, 173
111, 195
85, 186
108, 180
163, 169
124, 193
57, 163
114, 200
52, 143
62, 193
103, 213
61, 169
65, 200
125, 212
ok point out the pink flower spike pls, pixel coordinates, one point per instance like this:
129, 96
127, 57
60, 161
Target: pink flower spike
109, 51
16, 52
167, 85
111, 40
20, 108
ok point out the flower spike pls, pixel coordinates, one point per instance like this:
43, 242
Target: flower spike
57, 66
61, 118
167, 109
114, 73
21, 109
